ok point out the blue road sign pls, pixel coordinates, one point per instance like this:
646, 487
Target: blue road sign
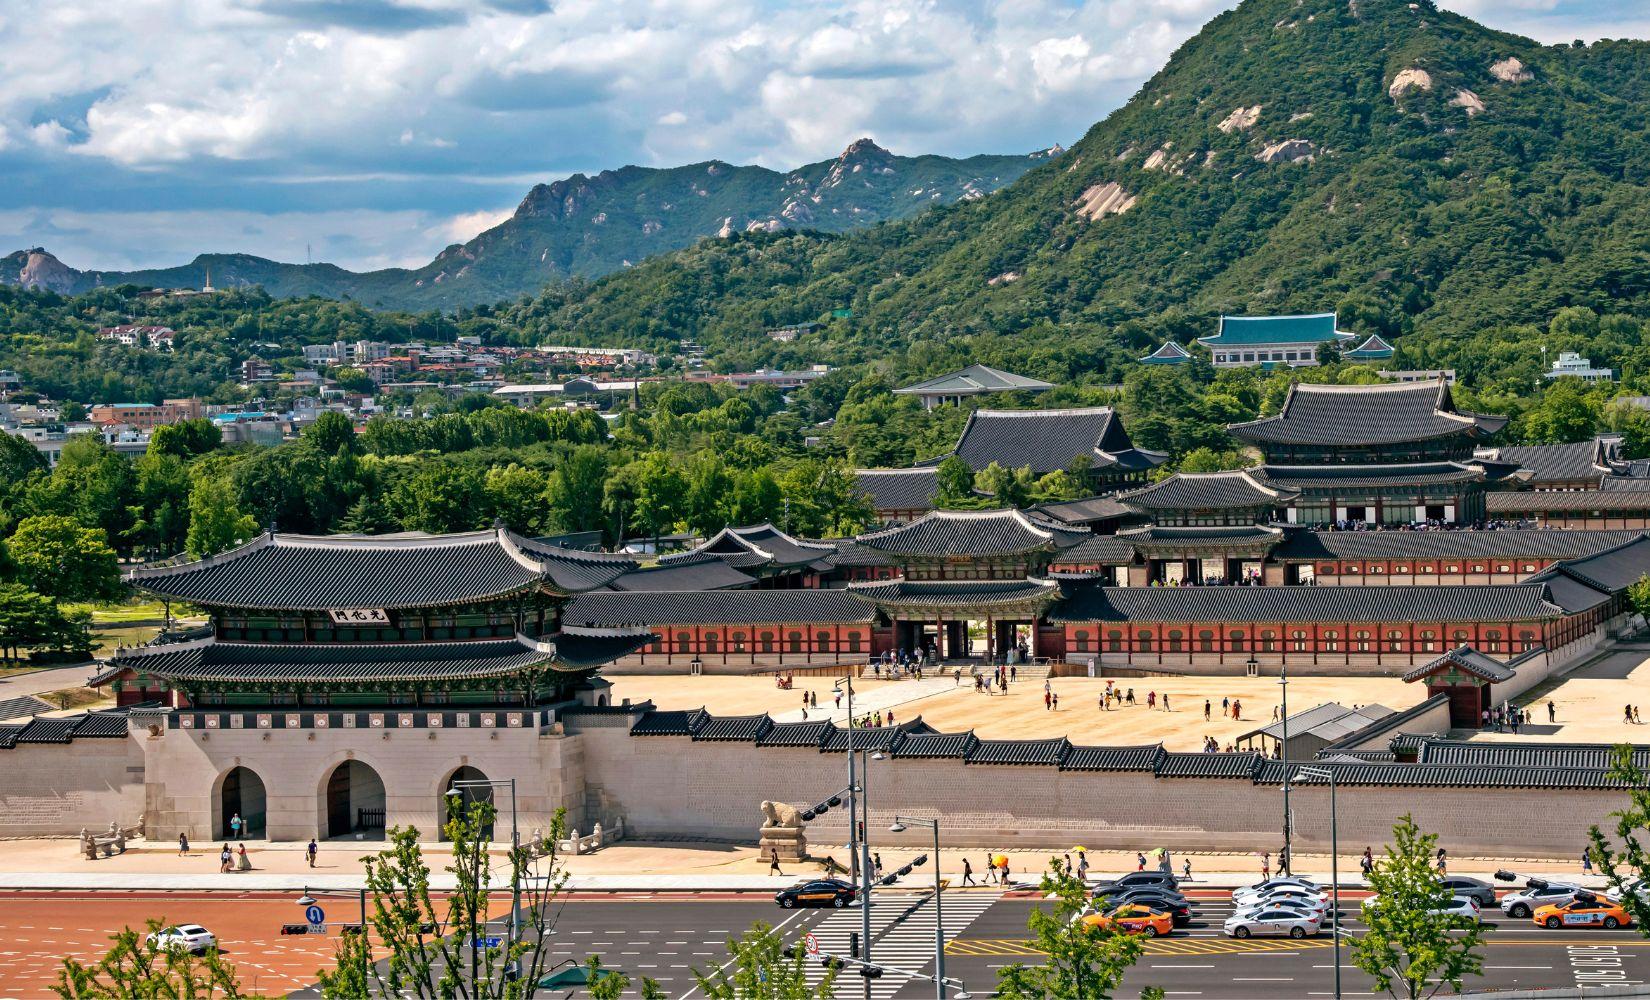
487, 942
315, 914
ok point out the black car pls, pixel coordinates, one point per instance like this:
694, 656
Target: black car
1460, 885
820, 892
1157, 899
1140, 880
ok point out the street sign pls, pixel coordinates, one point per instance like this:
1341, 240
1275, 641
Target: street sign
315, 915
811, 942
487, 942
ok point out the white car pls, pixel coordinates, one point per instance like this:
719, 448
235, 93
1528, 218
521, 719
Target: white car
184, 937
1464, 907
1271, 921
1531, 898
1306, 906
1298, 886
1284, 895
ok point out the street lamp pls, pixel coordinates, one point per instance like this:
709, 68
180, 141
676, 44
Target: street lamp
859, 803
455, 792
1334, 865
308, 900
900, 823
1288, 845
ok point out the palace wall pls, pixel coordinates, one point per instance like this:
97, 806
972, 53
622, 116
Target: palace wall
673, 786
58, 789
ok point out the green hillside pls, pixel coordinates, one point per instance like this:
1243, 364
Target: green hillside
587, 226
1388, 161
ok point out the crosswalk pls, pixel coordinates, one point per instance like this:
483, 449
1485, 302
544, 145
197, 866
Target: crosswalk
902, 936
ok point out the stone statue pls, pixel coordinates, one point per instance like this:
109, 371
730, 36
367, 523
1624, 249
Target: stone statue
782, 833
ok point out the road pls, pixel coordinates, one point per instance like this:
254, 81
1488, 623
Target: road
668, 935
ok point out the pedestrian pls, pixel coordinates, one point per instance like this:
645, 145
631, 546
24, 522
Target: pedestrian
813, 698
1151, 700
242, 862
1636, 720
1586, 861
773, 861
1552, 712
1129, 697
1047, 687
1266, 865
1048, 700
1206, 708
1005, 869
1628, 713
876, 864
1139, 862
1056, 697
1082, 866
1367, 862
1068, 868
223, 860
890, 716
183, 845
1014, 672
1225, 707
839, 699
313, 850
1441, 861
1165, 701
1186, 869
1237, 709
234, 825
968, 873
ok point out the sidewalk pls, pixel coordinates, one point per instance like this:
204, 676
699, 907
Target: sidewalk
631, 866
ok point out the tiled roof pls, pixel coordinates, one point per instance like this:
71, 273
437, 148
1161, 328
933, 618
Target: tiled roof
1613, 569
1550, 463
17, 708
1238, 331
1213, 533
1206, 491
1330, 721
101, 726
1048, 752
702, 572
1380, 727
1325, 477
1535, 543
1468, 659
1569, 593
972, 380
851, 553
412, 661
1469, 776
1571, 500
1354, 415
937, 745
871, 737
718, 607
1050, 440
9, 734
1083, 511
49, 730
773, 546
733, 728
1170, 353
972, 533
898, 489
1097, 549
308, 572
1373, 348
1525, 754
796, 734
1207, 765
1515, 602
1146, 758
671, 723
952, 593
1636, 480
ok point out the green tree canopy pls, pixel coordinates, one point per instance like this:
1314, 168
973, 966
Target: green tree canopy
58, 557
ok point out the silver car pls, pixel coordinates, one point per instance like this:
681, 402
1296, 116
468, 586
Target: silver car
1272, 922
1533, 897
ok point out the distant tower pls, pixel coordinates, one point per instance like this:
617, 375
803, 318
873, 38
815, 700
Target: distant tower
208, 286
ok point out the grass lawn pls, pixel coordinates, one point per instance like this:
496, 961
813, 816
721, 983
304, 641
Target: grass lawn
71, 698
124, 612
129, 635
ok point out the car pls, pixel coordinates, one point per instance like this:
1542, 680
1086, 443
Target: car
1464, 907
1273, 889
1132, 918
1133, 880
184, 937
1173, 903
819, 892
1462, 885
1298, 905
1585, 910
1277, 882
1285, 894
1536, 894
1269, 921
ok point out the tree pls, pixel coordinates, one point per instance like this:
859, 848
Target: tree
1567, 412
186, 439
61, 559
29, 620
1084, 960
216, 524
1626, 866
1411, 949
1638, 595
429, 952
576, 486
134, 968
955, 483
332, 433
517, 496
1209, 460
760, 967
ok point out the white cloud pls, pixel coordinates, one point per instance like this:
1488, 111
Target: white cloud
671, 118
466, 226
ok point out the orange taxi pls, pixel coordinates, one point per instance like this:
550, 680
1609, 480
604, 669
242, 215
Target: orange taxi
1132, 918
1585, 910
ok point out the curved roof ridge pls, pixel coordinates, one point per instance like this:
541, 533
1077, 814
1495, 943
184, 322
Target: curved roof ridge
1060, 411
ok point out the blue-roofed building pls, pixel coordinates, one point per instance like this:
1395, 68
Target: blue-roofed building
1248, 341
1170, 353
1373, 349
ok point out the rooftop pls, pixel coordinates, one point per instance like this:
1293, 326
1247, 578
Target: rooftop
972, 533
1518, 602
974, 380
1365, 415
1242, 331
1206, 491
1050, 440
898, 489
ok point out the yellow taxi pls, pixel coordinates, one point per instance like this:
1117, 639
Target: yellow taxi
1585, 910
1132, 918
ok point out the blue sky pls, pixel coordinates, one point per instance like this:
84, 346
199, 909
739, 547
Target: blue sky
375, 132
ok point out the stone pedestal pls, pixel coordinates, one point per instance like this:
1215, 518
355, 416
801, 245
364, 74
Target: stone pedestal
790, 842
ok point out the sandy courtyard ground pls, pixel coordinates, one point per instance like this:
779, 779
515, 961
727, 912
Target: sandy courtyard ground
1020, 713
1589, 701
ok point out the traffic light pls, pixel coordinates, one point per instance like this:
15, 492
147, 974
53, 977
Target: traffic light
892, 877
853, 944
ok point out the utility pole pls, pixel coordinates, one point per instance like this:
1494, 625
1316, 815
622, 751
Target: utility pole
1288, 848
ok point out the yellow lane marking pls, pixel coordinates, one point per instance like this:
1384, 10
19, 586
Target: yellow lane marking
1154, 946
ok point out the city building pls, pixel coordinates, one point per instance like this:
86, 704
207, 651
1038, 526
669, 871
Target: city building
975, 380
1247, 341
146, 416
1573, 365
128, 335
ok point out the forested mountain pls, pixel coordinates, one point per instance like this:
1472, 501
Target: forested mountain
587, 226
1435, 181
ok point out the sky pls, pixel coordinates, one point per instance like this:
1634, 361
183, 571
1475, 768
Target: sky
372, 133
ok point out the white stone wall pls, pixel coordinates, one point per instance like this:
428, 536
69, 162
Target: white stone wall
56, 789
